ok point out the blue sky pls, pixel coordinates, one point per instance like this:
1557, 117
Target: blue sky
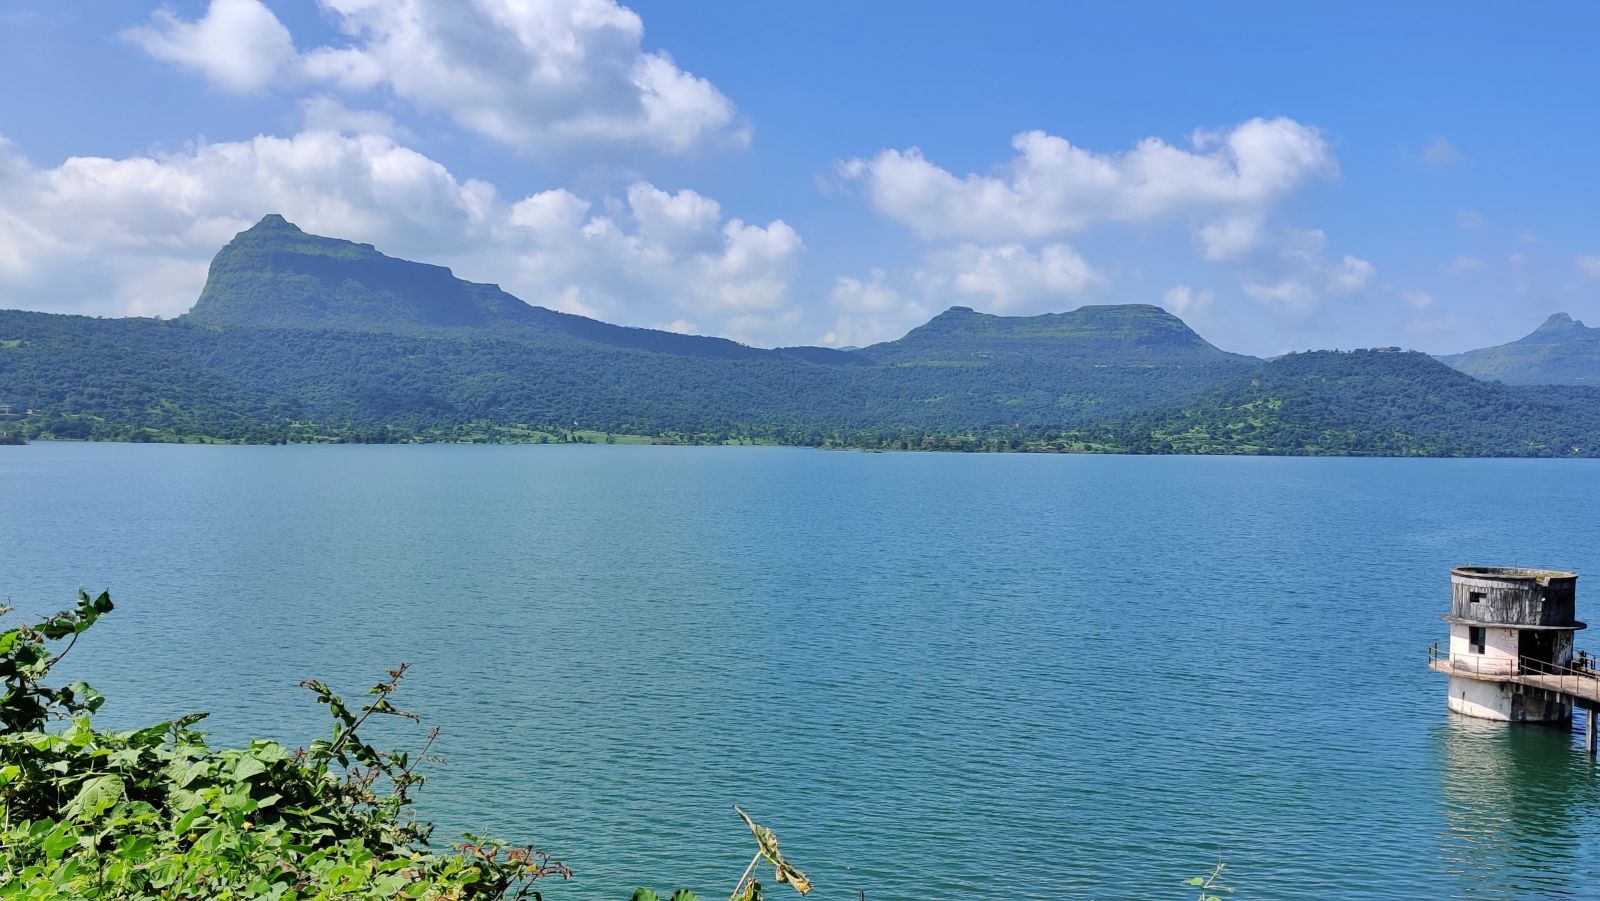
1283, 176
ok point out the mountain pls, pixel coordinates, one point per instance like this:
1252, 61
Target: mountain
303, 338
1114, 335
1373, 403
1057, 369
1562, 351
275, 275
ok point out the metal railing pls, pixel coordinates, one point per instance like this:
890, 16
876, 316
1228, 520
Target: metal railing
1582, 678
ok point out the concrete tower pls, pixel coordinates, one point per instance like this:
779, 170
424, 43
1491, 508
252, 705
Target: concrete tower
1507, 624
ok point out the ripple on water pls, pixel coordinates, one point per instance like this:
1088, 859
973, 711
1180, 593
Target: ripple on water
936, 676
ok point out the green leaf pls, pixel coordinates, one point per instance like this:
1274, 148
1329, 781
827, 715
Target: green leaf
248, 767
84, 697
187, 821
644, 894
96, 796
59, 840
186, 772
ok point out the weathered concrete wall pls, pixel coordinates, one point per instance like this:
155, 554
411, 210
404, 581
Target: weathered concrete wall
1484, 700
1503, 701
1478, 594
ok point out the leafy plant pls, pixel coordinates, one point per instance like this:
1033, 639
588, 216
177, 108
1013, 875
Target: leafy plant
749, 888
157, 813
1210, 884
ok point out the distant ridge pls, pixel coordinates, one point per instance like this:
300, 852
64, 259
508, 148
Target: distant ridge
298, 337
276, 275
1117, 334
1561, 351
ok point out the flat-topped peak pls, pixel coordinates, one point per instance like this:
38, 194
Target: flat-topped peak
1097, 334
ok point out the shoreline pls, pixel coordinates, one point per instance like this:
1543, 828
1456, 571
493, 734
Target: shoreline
637, 441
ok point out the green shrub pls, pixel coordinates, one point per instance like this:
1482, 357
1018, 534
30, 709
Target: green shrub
157, 813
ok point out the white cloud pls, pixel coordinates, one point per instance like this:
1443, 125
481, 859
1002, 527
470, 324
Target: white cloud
134, 235
1008, 278
1439, 153
1298, 275
1053, 188
870, 310
1350, 274
1292, 295
997, 234
541, 76
684, 220
656, 254
1230, 237
326, 113
1588, 264
1183, 301
1418, 300
750, 272
1464, 264
1468, 219
238, 45
533, 74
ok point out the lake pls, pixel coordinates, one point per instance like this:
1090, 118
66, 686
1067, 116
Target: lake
934, 676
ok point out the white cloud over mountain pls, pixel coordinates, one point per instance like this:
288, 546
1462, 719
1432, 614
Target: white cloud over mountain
870, 310
540, 76
134, 235
1183, 301
570, 82
996, 238
1008, 278
1296, 274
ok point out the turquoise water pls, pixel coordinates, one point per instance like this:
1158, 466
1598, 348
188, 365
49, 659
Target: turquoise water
934, 675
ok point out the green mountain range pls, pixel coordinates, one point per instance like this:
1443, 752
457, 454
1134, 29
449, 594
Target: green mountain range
1562, 351
298, 337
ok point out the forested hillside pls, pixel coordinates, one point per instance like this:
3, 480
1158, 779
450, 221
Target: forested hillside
298, 337
1372, 402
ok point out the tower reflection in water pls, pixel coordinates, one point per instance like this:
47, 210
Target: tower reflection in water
1521, 807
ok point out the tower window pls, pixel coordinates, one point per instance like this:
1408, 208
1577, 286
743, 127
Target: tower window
1475, 598
1476, 638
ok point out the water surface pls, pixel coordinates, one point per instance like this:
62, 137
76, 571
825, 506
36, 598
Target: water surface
987, 676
